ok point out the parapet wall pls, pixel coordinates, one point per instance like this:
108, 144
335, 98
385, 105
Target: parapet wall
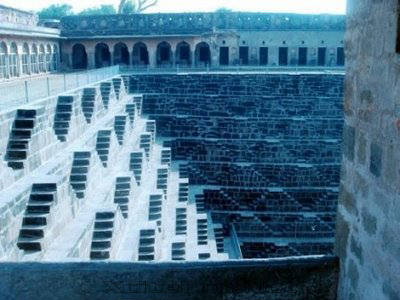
195, 23
311, 278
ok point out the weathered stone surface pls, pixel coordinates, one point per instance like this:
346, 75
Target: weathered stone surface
165, 24
295, 279
369, 221
376, 160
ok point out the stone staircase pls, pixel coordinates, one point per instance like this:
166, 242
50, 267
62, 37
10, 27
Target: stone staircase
130, 110
162, 179
105, 91
146, 143
219, 237
117, 83
102, 235
88, 103
20, 137
103, 142
136, 165
120, 127
181, 221
62, 119
146, 250
202, 231
183, 191
155, 207
166, 156
37, 216
122, 194
178, 251
79, 172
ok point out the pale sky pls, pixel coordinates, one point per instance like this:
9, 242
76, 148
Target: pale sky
293, 6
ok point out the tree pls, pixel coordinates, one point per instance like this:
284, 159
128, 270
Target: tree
223, 10
55, 11
138, 5
99, 10
128, 8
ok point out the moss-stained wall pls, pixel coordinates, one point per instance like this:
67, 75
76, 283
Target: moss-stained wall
311, 278
368, 227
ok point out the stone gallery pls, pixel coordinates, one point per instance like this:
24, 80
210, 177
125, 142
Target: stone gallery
200, 156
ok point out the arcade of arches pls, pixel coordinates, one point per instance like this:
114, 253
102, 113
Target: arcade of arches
25, 58
184, 54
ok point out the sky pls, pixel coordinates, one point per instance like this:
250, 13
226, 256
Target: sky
291, 6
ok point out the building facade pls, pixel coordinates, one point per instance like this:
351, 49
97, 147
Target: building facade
167, 40
203, 39
25, 48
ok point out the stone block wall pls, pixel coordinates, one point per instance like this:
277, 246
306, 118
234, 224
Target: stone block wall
252, 146
367, 233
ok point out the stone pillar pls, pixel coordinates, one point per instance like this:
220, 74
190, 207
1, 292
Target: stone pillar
19, 64
131, 58
91, 60
152, 57
193, 58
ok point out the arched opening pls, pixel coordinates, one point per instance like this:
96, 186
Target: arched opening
79, 57
203, 54
48, 58
102, 56
183, 54
34, 59
121, 54
164, 54
13, 60
54, 59
3, 60
140, 55
25, 59
42, 64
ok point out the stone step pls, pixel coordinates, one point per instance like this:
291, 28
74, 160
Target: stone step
26, 113
29, 244
35, 219
102, 234
100, 255
24, 124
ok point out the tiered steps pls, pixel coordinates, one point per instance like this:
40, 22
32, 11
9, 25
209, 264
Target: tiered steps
125, 79
183, 171
62, 117
183, 191
219, 237
105, 90
151, 127
181, 221
166, 156
122, 193
146, 143
200, 206
102, 236
117, 83
130, 109
155, 207
79, 172
204, 256
20, 136
88, 103
138, 101
178, 251
120, 127
202, 231
103, 145
37, 216
146, 245
136, 165
162, 178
